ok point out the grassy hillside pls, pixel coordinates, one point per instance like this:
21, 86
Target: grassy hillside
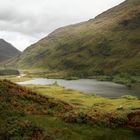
17, 104
107, 44
7, 51
26, 115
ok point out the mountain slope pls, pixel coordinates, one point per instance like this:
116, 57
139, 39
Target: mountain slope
7, 50
108, 44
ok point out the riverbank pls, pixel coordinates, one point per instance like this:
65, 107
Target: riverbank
99, 87
88, 86
122, 78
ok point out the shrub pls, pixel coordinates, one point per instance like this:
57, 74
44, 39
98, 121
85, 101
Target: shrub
119, 120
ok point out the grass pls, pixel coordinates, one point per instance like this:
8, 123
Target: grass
78, 99
84, 101
52, 112
65, 131
16, 78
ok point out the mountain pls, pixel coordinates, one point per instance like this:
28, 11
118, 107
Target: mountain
108, 44
7, 51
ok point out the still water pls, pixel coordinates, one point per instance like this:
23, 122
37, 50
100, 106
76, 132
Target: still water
90, 86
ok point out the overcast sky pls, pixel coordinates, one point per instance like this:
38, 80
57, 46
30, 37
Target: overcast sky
23, 22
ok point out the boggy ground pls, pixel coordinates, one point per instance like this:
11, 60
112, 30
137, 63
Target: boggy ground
71, 115
95, 109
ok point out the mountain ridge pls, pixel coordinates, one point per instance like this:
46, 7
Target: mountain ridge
110, 43
7, 50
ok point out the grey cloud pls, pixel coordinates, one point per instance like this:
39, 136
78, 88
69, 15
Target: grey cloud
31, 24
33, 19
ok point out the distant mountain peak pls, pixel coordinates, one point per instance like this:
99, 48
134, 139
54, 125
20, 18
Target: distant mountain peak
2, 40
7, 50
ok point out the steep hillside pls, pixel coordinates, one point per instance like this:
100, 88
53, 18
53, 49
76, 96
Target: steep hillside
108, 44
7, 51
17, 104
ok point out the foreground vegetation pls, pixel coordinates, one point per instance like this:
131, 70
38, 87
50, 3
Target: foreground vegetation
52, 112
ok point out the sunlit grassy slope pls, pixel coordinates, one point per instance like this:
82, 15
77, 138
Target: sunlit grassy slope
108, 44
85, 101
27, 115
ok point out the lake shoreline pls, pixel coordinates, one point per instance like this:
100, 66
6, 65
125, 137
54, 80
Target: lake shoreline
87, 86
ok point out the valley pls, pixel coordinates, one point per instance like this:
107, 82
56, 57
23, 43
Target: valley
80, 82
